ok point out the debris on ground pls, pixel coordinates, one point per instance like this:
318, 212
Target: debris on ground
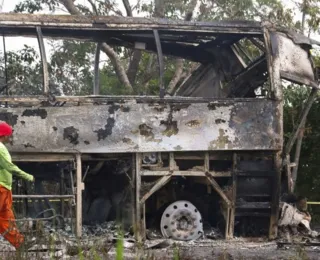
57, 243
294, 224
213, 233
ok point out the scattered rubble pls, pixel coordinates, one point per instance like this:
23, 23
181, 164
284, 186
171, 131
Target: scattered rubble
60, 243
294, 224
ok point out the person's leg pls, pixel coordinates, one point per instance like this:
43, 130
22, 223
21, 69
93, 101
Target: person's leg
8, 228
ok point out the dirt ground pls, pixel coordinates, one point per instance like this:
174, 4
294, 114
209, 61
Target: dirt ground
203, 249
235, 249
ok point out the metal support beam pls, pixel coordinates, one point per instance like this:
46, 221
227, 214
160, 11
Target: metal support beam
5, 68
133, 190
228, 220
217, 188
80, 187
276, 184
62, 192
234, 198
206, 162
31, 196
185, 173
96, 87
138, 226
44, 61
160, 61
41, 157
160, 183
274, 66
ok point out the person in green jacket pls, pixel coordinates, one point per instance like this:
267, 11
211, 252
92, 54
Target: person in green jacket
8, 228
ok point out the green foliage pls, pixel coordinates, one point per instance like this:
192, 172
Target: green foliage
23, 69
120, 247
71, 67
311, 9
33, 6
176, 255
308, 179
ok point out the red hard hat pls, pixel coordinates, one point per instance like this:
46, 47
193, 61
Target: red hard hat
5, 129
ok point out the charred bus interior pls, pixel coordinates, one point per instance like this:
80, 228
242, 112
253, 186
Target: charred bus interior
204, 155
109, 195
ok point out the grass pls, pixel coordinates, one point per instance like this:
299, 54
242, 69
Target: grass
100, 251
120, 247
95, 253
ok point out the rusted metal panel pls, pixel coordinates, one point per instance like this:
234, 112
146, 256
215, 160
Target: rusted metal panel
148, 127
295, 61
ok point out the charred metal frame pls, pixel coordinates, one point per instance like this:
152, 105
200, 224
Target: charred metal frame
160, 61
102, 29
5, 66
166, 175
44, 61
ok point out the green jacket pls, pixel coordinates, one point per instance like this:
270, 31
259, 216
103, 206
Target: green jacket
7, 168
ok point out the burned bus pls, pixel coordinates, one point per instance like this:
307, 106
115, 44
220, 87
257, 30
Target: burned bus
209, 154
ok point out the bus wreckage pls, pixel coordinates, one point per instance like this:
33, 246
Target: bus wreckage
210, 153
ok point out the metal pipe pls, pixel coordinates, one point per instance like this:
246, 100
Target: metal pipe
160, 61
5, 63
79, 196
42, 196
5, 67
44, 61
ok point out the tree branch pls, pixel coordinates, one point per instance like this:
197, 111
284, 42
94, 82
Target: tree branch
127, 7
120, 70
94, 8
176, 76
136, 56
136, 6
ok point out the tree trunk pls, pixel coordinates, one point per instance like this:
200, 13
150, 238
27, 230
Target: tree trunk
136, 56
159, 8
176, 76
180, 62
134, 66
297, 156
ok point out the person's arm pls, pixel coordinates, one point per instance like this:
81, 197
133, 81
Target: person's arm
12, 168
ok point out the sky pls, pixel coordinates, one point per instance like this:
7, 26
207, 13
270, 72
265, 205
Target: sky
16, 43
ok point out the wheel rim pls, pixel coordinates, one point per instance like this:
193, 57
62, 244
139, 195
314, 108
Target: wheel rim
181, 221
